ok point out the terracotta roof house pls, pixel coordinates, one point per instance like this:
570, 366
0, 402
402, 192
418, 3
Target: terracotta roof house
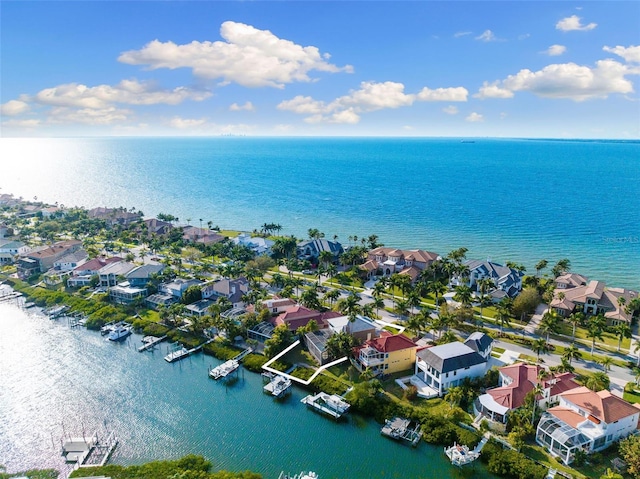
386, 354
114, 216
194, 234
516, 381
507, 281
45, 256
81, 275
157, 227
594, 298
448, 365
311, 249
570, 280
279, 305
387, 261
585, 420
299, 316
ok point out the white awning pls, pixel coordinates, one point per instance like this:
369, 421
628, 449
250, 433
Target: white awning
488, 402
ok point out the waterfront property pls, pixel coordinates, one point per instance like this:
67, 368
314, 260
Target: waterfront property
585, 420
360, 327
573, 293
81, 275
506, 281
278, 386
311, 249
316, 342
41, 259
447, 365
461, 455
299, 316
402, 429
224, 369
111, 273
125, 293
257, 244
231, 289
386, 354
387, 261
10, 250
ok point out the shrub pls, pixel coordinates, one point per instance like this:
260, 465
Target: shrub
254, 362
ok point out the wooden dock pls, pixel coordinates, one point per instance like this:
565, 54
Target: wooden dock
330, 404
148, 342
402, 429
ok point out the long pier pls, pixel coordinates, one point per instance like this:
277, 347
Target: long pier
182, 353
10, 296
150, 342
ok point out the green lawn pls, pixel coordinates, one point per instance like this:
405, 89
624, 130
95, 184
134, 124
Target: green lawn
539, 454
581, 333
632, 397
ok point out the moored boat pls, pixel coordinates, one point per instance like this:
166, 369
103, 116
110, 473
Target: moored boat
119, 333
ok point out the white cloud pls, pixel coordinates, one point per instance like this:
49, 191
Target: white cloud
630, 53
451, 110
248, 56
461, 34
14, 107
371, 96
524, 36
572, 23
248, 106
566, 80
474, 117
555, 50
487, 36
186, 123
129, 92
493, 90
89, 116
22, 123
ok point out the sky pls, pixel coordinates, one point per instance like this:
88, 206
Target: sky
544, 69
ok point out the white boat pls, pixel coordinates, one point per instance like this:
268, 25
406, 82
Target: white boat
177, 354
119, 333
302, 475
224, 369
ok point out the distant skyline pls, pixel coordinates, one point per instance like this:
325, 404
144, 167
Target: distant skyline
500, 69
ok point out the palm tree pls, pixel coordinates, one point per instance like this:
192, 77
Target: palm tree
463, 295
484, 285
549, 324
636, 349
571, 353
606, 363
326, 258
622, 330
332, 295
503, 314
538, 390
413, 300
540, 346
350, 306
575, 319
540, 265
438, 289
454, 396
402, 307
415, 324
598, 381
595, 328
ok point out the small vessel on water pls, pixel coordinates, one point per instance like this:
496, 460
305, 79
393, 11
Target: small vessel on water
224, 369
402, 429
177, 354
302, 475
329, 404
279, 386
119, 333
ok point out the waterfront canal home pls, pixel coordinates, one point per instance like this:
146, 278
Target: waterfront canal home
279, 305
41, 259
585, 420
260, 246
300, 316
111, 273
141, 275
199, 308
386, 354
310, 249
506, 281
383, 261
316, 342
125, 293
447, 365
155, 227
63, 268
232, 289
574, 294
361, 327
10, 250
115, 216
81, 275
515, 383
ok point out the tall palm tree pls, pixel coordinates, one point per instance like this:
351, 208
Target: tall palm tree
570, 353
595, 328
549, 323
540, 346
538, 390
540, 265
454, 396
484, 285
503, 314
606, 363
622, 330
332, 295
575, 319
438, 289
463, 295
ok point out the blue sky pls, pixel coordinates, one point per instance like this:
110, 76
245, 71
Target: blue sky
502, 69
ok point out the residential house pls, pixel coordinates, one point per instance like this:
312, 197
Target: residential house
10, 250
386, 354
279, 305
506, 281
45, 256
154, 226
593, 298
5, 230
112, 273
515, 383
361, 327
49, 211
178, 286
140, 275
300, 316
192, 234
387, 261
259, 245
585, 420
481, 343
124, 293
199, 308
316, 342
115, 216
81, 275
570, 280
71, 261
311, 249
448, 365
232, 289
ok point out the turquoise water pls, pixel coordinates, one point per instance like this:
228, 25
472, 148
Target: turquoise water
56, 380
520, 200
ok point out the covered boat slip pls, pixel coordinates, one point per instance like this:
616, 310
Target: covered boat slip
402, 429
329, 404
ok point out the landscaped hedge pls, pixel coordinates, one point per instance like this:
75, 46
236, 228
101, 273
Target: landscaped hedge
509, 463
221, 351
321, 382
254, 362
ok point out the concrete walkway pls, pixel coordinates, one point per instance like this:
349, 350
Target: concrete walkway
533, 324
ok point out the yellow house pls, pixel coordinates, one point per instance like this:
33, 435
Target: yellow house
387, 354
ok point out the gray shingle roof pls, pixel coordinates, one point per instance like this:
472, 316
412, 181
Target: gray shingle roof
478, 341
450, 357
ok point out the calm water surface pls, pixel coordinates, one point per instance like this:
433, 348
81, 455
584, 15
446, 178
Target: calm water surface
519, 200
57, 380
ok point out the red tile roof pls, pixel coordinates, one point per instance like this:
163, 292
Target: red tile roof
602, 405
524, 377
388, 342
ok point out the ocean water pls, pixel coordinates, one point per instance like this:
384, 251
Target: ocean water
519, 200
56, 381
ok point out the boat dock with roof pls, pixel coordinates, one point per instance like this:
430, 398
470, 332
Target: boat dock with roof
329, 404
278, 386
402, 429
91, 451
180, 352
148, 342
224, 369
